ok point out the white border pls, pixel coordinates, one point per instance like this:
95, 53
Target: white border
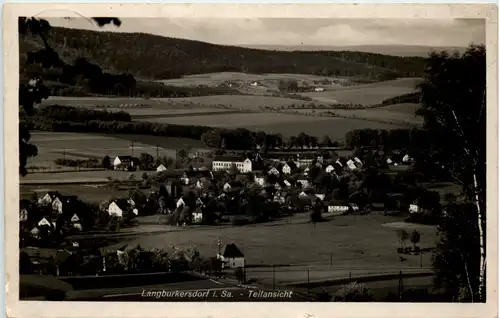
15, 308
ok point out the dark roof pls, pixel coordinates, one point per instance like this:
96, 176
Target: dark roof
230, 158
125, 158
231, 250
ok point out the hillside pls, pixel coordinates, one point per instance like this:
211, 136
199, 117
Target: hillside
155, 57
395, 50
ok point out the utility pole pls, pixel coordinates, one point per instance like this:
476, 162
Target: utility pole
157, 153
400, 285
132, 147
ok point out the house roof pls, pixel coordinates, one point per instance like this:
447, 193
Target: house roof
230, 158
231, 250
125, 158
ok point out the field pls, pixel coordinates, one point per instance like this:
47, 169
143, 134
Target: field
347, 242
368, 94
215, 79
54, 145
399, 113
285, 124
89, 193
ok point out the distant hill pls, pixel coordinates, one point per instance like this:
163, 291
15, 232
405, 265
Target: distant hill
149, 56
394, 50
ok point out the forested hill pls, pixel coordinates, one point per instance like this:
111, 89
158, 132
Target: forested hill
156, 57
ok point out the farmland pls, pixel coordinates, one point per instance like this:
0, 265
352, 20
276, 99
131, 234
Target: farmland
285, 124
367, 94
399, 113
346, 241
54, 145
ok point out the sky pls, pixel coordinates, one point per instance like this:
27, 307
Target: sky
296, 31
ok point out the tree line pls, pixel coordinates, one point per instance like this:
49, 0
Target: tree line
152, 56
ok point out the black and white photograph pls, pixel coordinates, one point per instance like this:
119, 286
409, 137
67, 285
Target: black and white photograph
253, 159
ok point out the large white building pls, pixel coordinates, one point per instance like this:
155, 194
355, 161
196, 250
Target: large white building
225, 163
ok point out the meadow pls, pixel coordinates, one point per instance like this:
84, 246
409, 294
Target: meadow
279, 123
366, 94
398, 113
346, 242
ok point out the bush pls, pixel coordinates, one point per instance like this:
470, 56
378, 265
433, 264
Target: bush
354, 292
239, 221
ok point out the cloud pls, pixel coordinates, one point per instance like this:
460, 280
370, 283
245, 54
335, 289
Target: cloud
338, 32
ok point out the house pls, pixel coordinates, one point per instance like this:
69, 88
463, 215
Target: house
351, 165
35, 232
319, 89
287, 183
337, 208
303, 195
414, 208
274, 171
180, 203
259, 180
75, 218
286, 169
304, 182
406, 158
254, 84
329, 169
231, 256
197, 216
224, 163
23, 215
161, 168
116, 208
358, 162
389, 161
123, 163
320, 196
44, 222
226, 186
338, 162
49, 197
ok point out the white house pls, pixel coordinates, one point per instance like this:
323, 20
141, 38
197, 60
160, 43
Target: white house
123, 162
286, 169
57, 205
389, 161
260, 180
339, 163
115, 210
358, 162
338, 209
254, 84
302, 194
224, 163
414, 208
23, 215
306, 171
226, 186
406, 158
231, 256
197, 216
161, 168
274, 171
351, 165
320, 196
35, 232
287, 183
303, 182
329, 169
180, 203
48, 198
75, 218
43, 222
319, 89
131, 202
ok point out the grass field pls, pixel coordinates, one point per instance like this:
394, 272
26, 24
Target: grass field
403, 113
89, 193
214, 79
367, 94
285, 124
349, 242
54, 145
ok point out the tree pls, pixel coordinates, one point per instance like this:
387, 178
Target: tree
233, 170
415, 238
106, 162
453, 98
146, 161
327, 142
35, 91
